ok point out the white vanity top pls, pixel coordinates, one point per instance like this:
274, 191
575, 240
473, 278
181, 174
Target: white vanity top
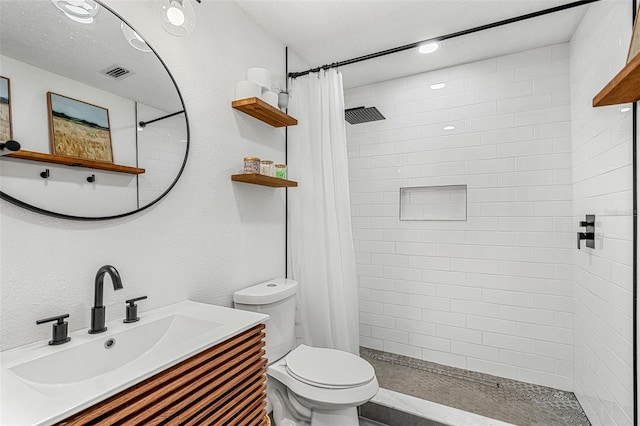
42, 384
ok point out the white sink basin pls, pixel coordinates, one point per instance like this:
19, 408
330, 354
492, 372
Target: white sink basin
42, 384
103, 354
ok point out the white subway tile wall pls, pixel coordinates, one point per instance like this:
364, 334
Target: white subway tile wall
602, 179
492, 293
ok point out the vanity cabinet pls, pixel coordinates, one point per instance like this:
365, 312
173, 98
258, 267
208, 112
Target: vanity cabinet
222, 385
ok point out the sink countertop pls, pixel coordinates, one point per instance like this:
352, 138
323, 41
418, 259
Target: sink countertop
24, 404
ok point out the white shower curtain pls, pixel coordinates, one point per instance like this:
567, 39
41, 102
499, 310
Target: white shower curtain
321, 243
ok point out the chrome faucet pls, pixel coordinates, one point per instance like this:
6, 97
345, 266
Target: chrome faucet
98, 311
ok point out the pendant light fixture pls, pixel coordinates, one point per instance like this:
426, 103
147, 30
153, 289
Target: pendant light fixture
82, 11
178, 17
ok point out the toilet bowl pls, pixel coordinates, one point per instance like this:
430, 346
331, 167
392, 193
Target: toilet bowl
305, 385
319, 388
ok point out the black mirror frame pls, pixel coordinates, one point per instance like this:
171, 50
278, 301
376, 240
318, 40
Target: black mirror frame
35, 209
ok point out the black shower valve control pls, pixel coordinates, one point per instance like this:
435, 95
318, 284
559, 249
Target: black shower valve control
590, 232
132, 310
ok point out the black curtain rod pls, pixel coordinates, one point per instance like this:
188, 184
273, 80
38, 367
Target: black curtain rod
634, 158
445, 37
144, 123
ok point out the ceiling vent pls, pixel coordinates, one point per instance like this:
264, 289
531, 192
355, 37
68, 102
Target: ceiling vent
117, 72
362, 115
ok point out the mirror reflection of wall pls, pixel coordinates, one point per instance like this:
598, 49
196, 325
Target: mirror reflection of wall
42, 50
161, 149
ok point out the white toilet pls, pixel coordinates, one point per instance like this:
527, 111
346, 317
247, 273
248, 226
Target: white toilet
306, 385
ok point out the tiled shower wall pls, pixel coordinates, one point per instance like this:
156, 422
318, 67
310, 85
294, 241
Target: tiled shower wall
492, 293
602, 185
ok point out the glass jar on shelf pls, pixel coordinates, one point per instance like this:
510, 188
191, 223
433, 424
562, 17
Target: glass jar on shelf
251, 165
267, 168
281, 171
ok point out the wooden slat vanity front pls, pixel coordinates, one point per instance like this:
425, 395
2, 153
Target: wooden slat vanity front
223, 385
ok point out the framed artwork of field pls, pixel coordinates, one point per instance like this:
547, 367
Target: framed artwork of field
79, 129
6, 130
634, 45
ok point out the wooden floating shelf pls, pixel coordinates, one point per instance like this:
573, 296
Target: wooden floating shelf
263, 180
261, 110
74, 162
623, 88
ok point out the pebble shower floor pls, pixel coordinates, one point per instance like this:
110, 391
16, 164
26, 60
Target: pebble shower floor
490, 396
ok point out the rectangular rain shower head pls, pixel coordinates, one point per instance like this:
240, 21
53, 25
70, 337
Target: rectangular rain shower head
362, 115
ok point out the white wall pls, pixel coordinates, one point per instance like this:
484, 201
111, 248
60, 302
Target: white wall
602, 185
206, 239
67, 190
492, 293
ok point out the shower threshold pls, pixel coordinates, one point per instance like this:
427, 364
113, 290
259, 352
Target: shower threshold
421, 389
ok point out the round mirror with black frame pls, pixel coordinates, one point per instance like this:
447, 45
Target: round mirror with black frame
101, 124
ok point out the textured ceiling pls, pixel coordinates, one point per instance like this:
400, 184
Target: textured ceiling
37, 33
322, 31
319, 31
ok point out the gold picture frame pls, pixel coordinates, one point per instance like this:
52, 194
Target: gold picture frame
6, 126
79, 129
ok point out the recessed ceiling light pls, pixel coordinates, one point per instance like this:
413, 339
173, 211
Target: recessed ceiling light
76, 10
428, 47
81, 11
134, 39
625, 109
175, 15
437, 86
178, 17
449, 128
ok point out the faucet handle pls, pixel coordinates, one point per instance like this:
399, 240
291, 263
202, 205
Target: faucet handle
58, 318
132, 309
60, 329
135, 299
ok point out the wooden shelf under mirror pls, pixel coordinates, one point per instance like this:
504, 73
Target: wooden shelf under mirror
75, 162
263, 180
261, 110
623, 88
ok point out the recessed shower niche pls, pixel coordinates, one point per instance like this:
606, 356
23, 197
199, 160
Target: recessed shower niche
446, 202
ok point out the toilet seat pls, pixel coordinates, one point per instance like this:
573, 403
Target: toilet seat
320, 376
328, 398
328, 368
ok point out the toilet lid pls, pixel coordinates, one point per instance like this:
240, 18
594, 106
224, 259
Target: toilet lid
328, 367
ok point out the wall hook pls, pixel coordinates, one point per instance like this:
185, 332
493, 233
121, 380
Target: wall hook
91, 179
45, 174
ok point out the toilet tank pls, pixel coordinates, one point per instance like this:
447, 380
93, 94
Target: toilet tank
275, 298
